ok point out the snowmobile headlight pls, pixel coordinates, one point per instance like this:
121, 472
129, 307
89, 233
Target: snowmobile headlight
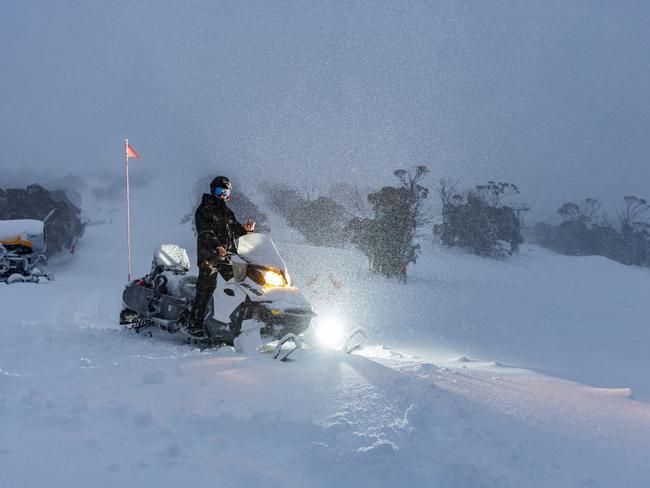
271, 278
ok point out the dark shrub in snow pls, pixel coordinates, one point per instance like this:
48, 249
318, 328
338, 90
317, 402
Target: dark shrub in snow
580, 235
480, 222
283, 199
388, 238
320, 220
244, 208
63, 225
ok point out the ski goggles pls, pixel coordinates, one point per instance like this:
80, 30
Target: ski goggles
221, 192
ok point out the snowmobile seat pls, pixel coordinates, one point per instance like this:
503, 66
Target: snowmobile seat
170, 283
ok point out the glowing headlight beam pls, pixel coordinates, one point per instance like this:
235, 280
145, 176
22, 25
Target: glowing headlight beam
330, 332
271, 278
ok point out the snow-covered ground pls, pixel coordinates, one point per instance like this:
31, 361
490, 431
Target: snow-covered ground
532, 371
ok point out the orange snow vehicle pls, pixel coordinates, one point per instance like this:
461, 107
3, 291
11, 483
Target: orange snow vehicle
22, 251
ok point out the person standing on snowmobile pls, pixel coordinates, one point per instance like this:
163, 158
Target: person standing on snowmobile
217, 229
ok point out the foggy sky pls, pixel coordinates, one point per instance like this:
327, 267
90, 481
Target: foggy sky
554, 96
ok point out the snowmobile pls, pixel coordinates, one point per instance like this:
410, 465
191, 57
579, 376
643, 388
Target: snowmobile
260, 292
22, 251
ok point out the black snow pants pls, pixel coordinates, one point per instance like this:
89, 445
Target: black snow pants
205, 285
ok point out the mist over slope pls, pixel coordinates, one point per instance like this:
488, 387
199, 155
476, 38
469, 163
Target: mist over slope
551, 96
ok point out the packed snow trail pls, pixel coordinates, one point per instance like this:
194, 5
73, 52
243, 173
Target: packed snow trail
81, 399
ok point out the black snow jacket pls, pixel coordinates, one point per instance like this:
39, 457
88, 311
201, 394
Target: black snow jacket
216, 225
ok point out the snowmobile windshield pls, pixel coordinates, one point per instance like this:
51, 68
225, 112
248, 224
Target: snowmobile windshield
259, 250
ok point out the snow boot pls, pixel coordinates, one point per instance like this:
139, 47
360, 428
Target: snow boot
195, 329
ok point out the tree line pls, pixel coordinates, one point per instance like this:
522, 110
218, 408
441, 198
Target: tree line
486, 219
384, 224
586, 230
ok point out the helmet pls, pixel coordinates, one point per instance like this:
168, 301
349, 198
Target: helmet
220, 182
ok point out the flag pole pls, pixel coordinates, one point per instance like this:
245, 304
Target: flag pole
128, 207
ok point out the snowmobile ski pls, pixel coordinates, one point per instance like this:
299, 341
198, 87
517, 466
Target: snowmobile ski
356, 339
282, 353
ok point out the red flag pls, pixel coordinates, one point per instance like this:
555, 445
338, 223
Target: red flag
131, 153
